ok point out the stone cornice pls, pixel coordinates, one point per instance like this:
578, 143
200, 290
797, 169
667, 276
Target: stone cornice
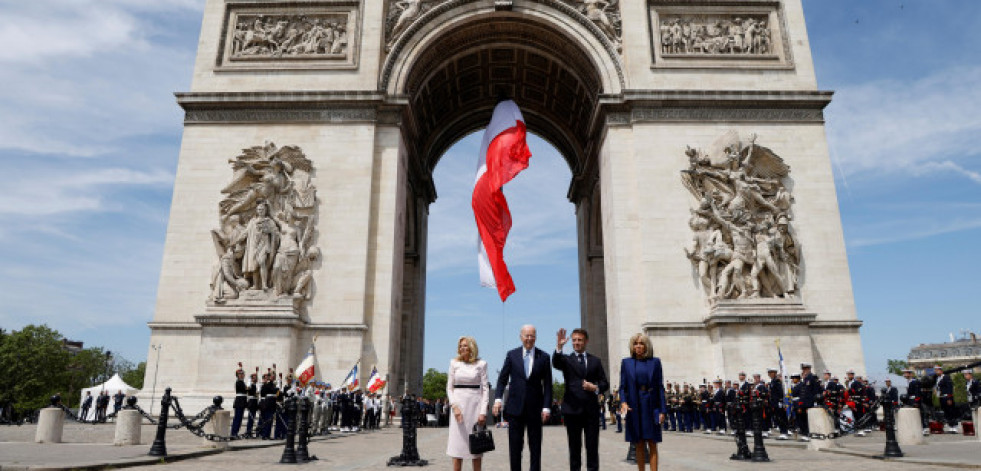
645, 106
173, 325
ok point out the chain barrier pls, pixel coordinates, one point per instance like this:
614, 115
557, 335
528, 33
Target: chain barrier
204, 416
198, 430
76, 418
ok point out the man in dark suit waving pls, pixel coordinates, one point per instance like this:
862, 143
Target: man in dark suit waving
528, 371
585, 380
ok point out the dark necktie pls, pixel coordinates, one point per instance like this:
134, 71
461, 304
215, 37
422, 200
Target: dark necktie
579, 357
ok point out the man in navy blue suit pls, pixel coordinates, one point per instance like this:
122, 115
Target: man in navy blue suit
529, 373
585, 380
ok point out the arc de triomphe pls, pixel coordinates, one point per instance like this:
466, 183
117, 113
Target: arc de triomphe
706, 207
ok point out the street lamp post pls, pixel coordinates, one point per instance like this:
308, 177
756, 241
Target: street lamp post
156, 369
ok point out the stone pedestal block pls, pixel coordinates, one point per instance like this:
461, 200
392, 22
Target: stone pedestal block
820, 423
128, 426
909, 428
220, 424
50, 425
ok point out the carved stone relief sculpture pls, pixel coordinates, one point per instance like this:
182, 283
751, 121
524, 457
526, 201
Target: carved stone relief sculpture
401, 14
715, 35
743, 245
606, 15
267, 221
318, 36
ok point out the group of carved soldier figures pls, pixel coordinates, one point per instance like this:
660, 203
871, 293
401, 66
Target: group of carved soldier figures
715, 36
743, 245
290, 35
715, 407
260, 405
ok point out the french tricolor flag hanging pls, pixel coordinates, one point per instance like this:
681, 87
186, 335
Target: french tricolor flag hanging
503, 154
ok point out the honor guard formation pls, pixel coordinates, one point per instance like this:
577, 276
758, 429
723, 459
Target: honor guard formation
851, 404
340, 410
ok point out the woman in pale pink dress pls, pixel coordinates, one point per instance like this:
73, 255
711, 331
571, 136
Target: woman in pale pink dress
468, 391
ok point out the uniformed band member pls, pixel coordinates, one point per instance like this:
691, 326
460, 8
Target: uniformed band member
914, 397
269, 393
732, 394
241, 399
890, 394
810, 389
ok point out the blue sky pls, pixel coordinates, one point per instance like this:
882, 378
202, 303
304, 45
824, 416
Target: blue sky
89, 138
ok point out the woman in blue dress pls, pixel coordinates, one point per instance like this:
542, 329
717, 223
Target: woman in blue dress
642, 400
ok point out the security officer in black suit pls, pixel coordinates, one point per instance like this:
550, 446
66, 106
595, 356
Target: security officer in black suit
778, 410
945, 391
585, 381
241, 399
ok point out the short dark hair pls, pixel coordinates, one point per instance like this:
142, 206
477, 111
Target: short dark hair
580, 331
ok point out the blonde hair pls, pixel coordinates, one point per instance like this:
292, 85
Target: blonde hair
472, 343
649, 349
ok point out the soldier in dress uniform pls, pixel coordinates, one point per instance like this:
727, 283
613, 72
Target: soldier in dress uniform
241, 399
718, 408
945, 391
890, 394
762, 391
834, 398
856, 395
973, 388
810, 389
914, 397
778, 410
252, 402
687, 408
744, 391
797, 404
671, 399
732, 394
704, 408
268, 391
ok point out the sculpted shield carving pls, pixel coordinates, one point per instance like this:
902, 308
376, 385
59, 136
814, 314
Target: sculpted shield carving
743, 244
267, 222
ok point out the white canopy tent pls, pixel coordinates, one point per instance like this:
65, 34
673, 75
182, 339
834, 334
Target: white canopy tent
111, 387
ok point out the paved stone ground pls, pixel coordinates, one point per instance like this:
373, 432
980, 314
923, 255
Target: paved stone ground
370, 451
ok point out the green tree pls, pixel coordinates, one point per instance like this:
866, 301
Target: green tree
558, 391
134, 376
33, 367
896, 367
960, 387
85, 369
434, 384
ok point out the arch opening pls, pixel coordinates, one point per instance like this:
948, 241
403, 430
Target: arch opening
450, 88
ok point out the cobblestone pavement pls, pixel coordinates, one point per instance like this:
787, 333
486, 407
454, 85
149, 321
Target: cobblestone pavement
370, 451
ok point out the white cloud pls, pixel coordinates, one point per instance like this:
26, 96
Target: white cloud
910, 229
914, 127
45, 195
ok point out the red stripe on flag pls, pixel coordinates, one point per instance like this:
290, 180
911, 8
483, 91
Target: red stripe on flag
507, 155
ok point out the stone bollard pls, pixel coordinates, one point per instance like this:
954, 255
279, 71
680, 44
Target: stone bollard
50, 425
128, 426
221, 425
820, 425
909, 428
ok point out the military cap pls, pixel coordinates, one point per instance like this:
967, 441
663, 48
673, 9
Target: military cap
850, 371
771, 369
795, 376
805, 365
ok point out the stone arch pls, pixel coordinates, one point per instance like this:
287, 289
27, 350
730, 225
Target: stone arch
558, 16
448, 71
